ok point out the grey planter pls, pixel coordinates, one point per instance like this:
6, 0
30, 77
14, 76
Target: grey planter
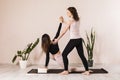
90, 63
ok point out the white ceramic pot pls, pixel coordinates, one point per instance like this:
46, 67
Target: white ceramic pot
23, 64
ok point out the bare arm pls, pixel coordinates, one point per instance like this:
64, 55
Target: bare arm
64, 31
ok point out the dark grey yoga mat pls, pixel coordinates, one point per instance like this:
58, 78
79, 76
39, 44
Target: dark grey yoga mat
54, 71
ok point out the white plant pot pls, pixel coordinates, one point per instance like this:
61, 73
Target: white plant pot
23, 64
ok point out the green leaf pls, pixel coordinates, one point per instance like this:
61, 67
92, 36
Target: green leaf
14, 58
19, 52
32, 47
35, 43
88, 40
28, 48
84, 43
93, 40
91, 37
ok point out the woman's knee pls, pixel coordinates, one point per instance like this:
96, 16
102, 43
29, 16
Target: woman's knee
64, 55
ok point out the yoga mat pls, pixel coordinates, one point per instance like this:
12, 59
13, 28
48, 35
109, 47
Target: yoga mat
55, 71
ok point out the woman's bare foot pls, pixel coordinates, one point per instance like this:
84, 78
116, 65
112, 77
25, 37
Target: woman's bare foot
90, 71
86, 73
64, 73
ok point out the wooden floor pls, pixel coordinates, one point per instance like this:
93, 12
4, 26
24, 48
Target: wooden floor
13, 72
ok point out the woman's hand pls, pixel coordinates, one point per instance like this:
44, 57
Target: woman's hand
61, 19
55, 41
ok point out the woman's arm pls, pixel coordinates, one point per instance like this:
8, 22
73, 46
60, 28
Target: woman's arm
47, 59
61, 19
58, 31
63, 32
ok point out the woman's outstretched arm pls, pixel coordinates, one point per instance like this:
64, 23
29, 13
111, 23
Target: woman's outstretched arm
58, 31
47, 59
63, 32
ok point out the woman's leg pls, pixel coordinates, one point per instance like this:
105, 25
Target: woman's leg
80, 51
59, 59
69, 47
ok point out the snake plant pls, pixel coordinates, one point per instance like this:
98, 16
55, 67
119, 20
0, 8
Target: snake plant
89, 44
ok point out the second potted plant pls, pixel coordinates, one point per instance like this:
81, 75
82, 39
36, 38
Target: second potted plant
24, 55
89, 45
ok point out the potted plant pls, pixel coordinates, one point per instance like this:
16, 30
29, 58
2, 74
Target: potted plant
89, 45
24, 54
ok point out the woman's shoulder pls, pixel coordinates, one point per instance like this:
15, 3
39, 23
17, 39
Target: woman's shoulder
69, 22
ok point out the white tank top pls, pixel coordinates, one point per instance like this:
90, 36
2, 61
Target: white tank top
74, 30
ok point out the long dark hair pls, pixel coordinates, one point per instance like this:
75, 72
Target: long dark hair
74, 13
45, 42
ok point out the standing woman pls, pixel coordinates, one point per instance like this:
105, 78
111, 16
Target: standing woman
75, 40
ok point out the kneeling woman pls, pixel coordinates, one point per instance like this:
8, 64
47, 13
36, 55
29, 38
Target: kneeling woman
48, 47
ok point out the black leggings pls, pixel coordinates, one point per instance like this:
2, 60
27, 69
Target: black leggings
71, 44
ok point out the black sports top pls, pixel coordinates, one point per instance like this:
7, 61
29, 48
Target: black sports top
54, 48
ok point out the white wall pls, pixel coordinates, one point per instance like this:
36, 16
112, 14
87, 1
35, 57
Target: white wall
22, 21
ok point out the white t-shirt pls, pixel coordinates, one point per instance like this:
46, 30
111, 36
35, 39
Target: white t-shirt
74, 30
